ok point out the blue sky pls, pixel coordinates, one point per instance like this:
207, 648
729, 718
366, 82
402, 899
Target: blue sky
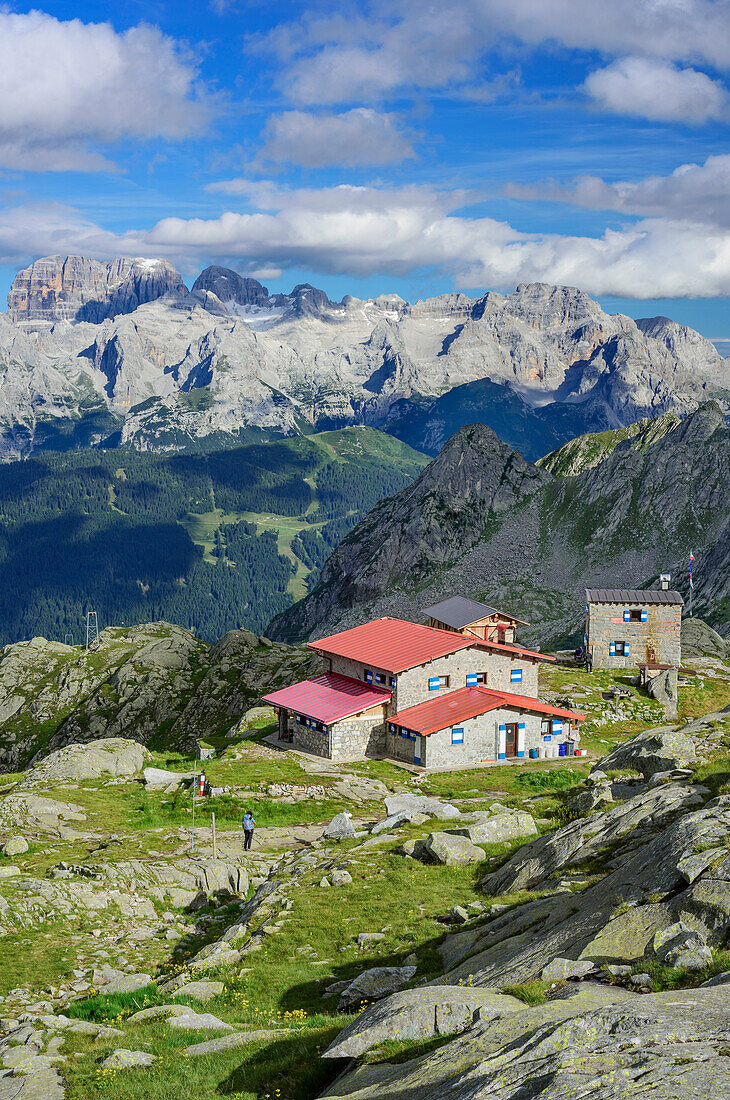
409, 147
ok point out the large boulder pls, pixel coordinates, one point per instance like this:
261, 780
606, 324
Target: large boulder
108, 756
700, 640
340, 827
657, 750
374, 984
663, 688
496, 829
407, 806
450, 850
420, 1014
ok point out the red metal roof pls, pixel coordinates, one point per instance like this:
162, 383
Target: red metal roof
329, 697
393, 645
468, 702
519, 650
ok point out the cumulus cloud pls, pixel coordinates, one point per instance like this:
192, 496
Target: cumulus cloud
362, 231
356, 137
413, 46
657, 90
66, 86
698, 192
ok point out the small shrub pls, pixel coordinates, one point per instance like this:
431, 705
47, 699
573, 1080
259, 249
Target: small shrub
532, 993
113, 1006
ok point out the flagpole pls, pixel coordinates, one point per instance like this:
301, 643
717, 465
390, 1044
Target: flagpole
691, 581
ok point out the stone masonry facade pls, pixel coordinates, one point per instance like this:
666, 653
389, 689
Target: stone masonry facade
657, 639
480, 740
349, 739
411, 687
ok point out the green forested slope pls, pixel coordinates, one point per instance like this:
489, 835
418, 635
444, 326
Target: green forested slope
209, 541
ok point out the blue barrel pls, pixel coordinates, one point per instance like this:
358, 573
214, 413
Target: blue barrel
562, 749
534, 754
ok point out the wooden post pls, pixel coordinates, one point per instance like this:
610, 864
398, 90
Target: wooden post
215, 849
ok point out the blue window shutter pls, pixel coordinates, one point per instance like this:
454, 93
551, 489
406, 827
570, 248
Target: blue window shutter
643, 616
557, 727
626, 649
433, 683
627, 616
502, 729
521, 726
368, 677
457, 735
394, 682
612, 651
471, 679
515, 676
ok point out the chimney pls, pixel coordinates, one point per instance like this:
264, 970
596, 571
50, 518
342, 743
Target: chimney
664, 581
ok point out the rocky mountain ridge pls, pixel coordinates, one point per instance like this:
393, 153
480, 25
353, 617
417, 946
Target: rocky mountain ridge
123, 352
481, 521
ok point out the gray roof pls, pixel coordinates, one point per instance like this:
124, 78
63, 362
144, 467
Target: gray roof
458, 611
633, 595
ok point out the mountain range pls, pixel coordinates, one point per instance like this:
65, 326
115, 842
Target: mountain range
479, 520
122, 352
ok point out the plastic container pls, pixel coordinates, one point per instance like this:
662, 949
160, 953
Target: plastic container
534, 754
554, 751
563, 749
542, 752
570, 748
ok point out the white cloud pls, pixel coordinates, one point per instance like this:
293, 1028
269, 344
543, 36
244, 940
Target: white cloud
412, 46
697, 192
362, 231
657, 90
356, 137
67, 85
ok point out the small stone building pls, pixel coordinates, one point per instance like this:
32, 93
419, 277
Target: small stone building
478, 726
471, 617
628, 627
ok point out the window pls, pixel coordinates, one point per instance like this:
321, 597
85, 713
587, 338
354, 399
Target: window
619, 649
515, 676
457, 735
474, 678
368, 676
635, 616
436, 682
380, 678
392, 681
391, 728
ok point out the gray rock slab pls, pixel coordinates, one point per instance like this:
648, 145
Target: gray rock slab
198, 1021
411, 804
340, 827
16, 846
129, 983
653, 751
126, 1059
450, 850
511, 825
420, 1014
559, 970
235, 1039
568, 1048
201, 991
374, 984
158, 1012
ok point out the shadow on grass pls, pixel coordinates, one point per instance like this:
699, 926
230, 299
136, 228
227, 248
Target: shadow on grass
289, 1068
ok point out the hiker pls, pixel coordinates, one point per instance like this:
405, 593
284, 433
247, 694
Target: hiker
249, 824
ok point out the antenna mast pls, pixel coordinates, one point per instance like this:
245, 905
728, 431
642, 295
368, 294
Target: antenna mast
92, 629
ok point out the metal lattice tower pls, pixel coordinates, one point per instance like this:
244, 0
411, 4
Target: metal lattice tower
92, 629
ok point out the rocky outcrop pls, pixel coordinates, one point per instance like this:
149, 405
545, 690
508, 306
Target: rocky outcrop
73, 288
700, 640
570, 1049
481, 521
653, 751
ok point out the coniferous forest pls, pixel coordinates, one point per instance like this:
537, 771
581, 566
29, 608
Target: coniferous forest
211, 541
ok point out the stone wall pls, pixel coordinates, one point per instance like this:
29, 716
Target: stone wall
350, 739
661, 632
480, 740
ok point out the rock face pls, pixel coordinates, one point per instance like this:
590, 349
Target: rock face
480, 521
565, 1049
700, 640
141, 345
650, 752
374, 984
111, 756
72, 288
663, 688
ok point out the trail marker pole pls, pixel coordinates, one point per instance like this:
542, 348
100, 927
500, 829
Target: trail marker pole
215, 847
195, 791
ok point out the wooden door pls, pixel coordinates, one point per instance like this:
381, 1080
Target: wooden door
510, 743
